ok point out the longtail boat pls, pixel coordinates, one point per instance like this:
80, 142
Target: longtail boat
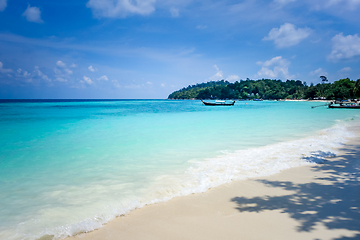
218, 103
349, 105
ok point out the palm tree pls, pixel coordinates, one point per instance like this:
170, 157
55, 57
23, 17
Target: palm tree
324, 79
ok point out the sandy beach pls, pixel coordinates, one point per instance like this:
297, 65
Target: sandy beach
310, 202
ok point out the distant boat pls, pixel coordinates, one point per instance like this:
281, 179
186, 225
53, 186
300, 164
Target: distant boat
350, 105
218, 103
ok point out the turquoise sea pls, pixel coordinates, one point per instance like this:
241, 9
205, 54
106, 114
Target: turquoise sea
68, 167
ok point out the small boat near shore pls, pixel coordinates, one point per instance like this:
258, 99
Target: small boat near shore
218, 103
349, 105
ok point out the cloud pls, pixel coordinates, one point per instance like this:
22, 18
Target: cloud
3, 5
345, 70
24, 74
87, 80
218, 75
347, 4
60, 64
275, 68
62, 74
60, 79
162, 84
120, 8
318, 72
344, 47
103, 78
3, 70
201, 26
68, 71
63, 65
134, 86
32, 14
174, 12
287, 35
233, 78
57, 71
73, 65
283, 2
42, 75
116, 83
91, 69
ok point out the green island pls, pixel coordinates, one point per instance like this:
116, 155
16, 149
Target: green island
269, 89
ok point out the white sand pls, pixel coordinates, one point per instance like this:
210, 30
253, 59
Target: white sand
311, 202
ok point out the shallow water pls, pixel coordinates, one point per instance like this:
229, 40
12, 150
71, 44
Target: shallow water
68, 167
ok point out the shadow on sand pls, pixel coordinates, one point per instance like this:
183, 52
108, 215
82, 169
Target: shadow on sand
333, 200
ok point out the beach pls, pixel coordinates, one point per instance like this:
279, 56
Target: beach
309, 202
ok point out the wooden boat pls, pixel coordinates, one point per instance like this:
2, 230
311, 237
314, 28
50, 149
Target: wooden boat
349, 105
218, 103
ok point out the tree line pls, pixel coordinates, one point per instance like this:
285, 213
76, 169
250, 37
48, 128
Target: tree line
271, 89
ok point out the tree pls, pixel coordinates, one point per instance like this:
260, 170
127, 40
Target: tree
324, 79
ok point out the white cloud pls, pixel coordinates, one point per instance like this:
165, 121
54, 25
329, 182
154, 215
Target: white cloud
62, 74
68, 71
344, 72
60, 79
345, 69
121, 8
162, 85
87, 80
3, 70
32, 14
73, 65
116, 83
345, 47
323, 4
23, 73
91, 69
287, 35
3, 5
201, 26
174, 12
42, 75
60, 64
26, 74
318, 72
134, 86
275, 68
233, 78
150, 83
283, 2
218, 75
103, 78
57, 71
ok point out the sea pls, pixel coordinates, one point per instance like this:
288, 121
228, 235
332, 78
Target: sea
69, 166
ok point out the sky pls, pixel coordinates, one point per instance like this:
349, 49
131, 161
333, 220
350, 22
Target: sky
146, 49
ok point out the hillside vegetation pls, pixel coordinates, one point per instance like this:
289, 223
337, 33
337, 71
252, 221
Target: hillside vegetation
270, 89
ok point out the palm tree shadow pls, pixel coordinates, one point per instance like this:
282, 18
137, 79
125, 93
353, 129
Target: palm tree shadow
333, 201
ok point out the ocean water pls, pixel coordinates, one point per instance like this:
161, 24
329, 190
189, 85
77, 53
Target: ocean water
68, 167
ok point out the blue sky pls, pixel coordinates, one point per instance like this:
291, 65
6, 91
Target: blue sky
149, 48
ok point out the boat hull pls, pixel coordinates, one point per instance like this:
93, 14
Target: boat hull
218, 104
348, 107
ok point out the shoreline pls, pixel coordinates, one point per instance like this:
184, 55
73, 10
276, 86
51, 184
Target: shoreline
307, 202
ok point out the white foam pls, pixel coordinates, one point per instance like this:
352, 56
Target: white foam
255, 162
